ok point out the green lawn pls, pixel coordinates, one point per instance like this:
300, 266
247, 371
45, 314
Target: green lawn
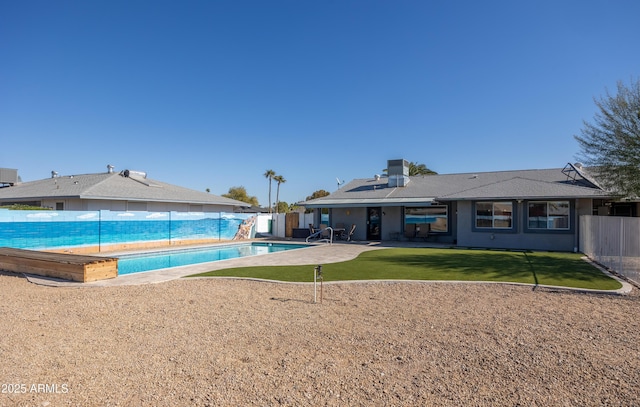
547, 268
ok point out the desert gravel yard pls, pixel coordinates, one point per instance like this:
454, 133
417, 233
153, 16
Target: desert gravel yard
227, 342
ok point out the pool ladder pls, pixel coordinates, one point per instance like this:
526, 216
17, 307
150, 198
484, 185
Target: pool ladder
320, 232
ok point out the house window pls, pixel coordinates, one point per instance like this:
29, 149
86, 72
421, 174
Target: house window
549, 215
59, 206
324, 216
494, 215
432, 217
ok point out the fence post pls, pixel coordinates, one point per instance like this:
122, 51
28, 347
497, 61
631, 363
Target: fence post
99, 231
599, 234
620, 248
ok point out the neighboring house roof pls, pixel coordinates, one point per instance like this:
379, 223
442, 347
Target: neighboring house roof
519, 184
111, 186
255, 209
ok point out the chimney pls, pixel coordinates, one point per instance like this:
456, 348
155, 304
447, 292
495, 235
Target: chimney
398, 171
8, 176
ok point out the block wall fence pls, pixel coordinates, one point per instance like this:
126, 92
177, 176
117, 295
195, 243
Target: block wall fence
101, 231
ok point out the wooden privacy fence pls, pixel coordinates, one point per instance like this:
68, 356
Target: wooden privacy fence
285, 224
614, 242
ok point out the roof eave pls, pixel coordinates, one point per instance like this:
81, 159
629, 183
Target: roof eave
113, 198
351, 202
524, 197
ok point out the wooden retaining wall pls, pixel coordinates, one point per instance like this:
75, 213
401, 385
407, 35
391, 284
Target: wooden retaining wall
73, 267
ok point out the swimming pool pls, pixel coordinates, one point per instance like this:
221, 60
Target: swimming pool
137, 263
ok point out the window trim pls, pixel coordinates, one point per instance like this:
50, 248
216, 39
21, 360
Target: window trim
446, 207
494, 228
569, 227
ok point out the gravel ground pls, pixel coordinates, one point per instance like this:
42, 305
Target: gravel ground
217, 342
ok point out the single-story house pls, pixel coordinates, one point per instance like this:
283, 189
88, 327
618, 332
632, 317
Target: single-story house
116, 191
521, 209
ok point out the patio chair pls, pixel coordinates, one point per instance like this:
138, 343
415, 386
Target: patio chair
325, 233
313, 233
410, 231
423, 231
347, 236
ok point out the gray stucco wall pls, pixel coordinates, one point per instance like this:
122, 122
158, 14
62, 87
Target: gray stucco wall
391, 221
520, 238
74, 204
462, 229
349, 216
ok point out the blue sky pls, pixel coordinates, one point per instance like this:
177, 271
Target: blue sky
211, 94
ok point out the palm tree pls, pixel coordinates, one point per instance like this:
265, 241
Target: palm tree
416, 169
280, 180
269, 174
419, 169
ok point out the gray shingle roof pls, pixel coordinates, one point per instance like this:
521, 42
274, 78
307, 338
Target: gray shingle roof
519, 184
111, 186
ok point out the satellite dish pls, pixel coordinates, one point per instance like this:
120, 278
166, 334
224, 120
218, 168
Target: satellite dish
339, 182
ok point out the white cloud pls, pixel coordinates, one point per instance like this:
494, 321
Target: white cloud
42, 215
156, 215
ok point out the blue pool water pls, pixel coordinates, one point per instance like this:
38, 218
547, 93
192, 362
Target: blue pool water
136, 263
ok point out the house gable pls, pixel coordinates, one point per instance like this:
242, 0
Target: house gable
110, 187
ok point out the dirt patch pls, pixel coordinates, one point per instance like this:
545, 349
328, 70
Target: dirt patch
230, 342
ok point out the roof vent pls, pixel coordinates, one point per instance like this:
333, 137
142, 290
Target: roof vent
398, 171
54, 174
578, 165
377, 177
110, 168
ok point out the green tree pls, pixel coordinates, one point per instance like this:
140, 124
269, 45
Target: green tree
610, 145
282, 207
293, 207
240, 194
269, 174
419, 169
317, 194
280, 180
24, 207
